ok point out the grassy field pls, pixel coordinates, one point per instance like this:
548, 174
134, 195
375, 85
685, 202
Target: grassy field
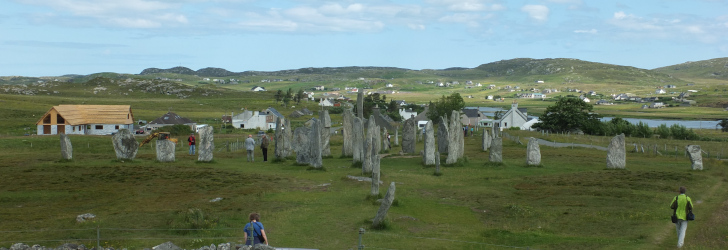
572, 202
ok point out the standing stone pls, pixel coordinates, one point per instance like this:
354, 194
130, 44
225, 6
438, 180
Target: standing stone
66, 147
385, 141
280, 147
429, 155
617, 153
125, 145
358, 140
366, 166
287, 135
325, 125
375, 174
360, 104
696, 156
300, 142
533, 152
165, 151
376, 147
461, 142
386, 203
454, 143
206, 144
408, 136
347, 133
443, 134
314, 138
396, 136
486, 140
496, 150
437, 162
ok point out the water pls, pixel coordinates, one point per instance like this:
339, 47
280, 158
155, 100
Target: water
490, 112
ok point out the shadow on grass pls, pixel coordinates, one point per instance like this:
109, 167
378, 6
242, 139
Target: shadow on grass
357, 164
122, 161
533, 166
206, 162
494, 164
322, 169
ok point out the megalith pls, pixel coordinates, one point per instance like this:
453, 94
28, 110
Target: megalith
360, 104
443, 135
384, 207
486, 140
455, 138
437, 163
385, 140
314, 138
617, 153
396, 136
375, 174
347, 133
300, 143
428, 157
206, 144
280, 147
287, 135
66, 147
696, 157
358, 141
165, 150
125, 145
325, 125
369, 147
408, 136
496, 150
533, 152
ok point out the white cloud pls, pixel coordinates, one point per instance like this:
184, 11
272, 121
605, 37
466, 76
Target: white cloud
471, 20
467, 5
685, 28
128, 13
590, 31
536, 12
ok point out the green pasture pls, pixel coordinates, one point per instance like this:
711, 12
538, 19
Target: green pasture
571, 202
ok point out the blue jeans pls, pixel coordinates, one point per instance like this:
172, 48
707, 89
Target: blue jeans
192, 149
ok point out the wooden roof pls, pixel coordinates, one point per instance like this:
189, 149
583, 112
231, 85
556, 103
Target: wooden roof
93, 114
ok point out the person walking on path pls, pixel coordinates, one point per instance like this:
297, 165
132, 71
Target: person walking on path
250, 147
264, 142
191, 140
255, 229
682, 206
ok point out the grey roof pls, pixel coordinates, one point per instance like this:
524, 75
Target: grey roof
275, 112
471, 112
171, 118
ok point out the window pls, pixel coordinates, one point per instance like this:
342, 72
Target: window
99, 126
116, 127
88, 127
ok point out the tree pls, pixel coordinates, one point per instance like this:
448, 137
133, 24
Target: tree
279, 95
299, 95
568, 114
724, 125
445, 106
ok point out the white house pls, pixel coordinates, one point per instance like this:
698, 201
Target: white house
325, 103
584, 98
660, 91
318, 87
389, 85
265, 119
85, 120
657, 105
490, 97
512, 118
258, 88
406, 114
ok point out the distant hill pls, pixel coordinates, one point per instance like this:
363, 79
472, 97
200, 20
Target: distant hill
218, 72
711, 69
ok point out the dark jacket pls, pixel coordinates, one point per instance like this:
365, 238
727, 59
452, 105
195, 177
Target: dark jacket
265, 142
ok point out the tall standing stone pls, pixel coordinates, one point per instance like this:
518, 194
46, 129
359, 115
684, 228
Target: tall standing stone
360, 104
428, 157
385, 140
696, 156
617, 153
396, 136
206, 144
125, 145
496, 150
301, 144
66, 147
533, 152
287, 135
366, 166
347, 133
455, 141
375, 174
437, 163
486, 140
358, 141
280, 147
408, 136
325, 125
165, 150
384, 207
314, 138
443, 135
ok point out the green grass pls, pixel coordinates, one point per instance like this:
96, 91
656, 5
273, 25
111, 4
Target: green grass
570, 202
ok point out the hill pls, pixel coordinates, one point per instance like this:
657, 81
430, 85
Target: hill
706, 69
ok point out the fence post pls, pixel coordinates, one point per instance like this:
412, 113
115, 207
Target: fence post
98, 237
361, 233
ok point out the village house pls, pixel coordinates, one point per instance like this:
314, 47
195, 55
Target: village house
318, 87
86, 120
257, 88
325, 102
660, 91
407, 113
512, 118
584, 98
657, 105
170, 119
265, 119
471, 117
389, 85
603, 102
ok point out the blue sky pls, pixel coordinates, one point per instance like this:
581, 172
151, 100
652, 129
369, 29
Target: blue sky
55, 37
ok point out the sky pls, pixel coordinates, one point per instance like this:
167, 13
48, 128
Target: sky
57, 37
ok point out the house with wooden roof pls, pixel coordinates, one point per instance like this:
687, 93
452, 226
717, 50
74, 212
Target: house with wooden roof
86, 120
170, 119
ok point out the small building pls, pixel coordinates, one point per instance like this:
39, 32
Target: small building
257, 88
318, 87
512, 118
407, 113
471, 117
169, 119
86, 120
657, 105
584, 98
265, 119
324, 102
389, 85
660, 91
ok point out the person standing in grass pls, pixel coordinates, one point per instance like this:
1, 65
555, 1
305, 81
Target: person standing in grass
264, 142
255, 229
191, 140
682, 205
250, 147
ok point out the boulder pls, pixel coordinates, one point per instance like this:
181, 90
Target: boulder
384, 207
496, 150
206, 144
166, 246
66, 147
347, 133
300, 142
84, 217
165, 151
443, 135
314, 139
409, 136
125, 145
19, 246
533, 152
696, 157
428, 157
617, 153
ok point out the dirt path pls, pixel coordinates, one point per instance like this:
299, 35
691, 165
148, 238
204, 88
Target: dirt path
719, 217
